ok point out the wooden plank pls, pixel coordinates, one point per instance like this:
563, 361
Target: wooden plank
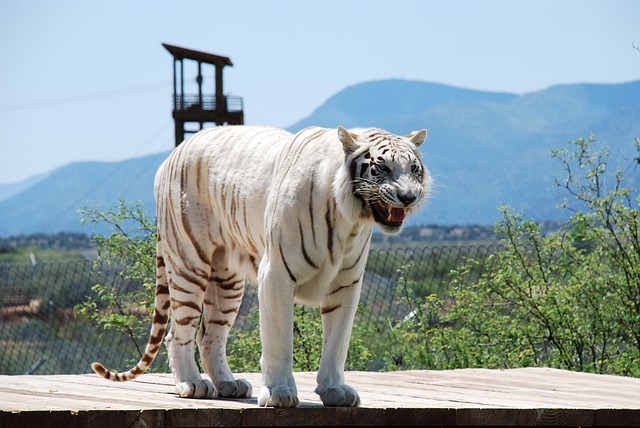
509, 388
469, 397
476, 393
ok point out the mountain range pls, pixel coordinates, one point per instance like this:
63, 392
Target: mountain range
484, 149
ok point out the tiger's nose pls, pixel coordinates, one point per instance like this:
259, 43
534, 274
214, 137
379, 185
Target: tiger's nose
407, 198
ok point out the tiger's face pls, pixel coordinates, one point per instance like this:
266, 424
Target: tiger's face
387, 174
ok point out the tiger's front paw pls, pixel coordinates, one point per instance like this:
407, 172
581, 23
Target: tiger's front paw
340, 396
197, 389
234, 389
278, 396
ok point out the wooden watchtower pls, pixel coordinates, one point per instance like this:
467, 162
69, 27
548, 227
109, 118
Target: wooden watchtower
210, 106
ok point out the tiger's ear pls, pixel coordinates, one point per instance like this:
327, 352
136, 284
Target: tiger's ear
417, 137
348, 140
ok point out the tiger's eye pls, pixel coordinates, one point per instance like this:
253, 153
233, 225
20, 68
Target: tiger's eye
384, 169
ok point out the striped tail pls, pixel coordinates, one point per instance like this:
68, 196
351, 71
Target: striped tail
158, 329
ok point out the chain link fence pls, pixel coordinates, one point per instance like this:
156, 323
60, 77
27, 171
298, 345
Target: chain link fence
39, 333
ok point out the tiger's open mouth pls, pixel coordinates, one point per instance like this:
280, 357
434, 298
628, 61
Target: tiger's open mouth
388, 215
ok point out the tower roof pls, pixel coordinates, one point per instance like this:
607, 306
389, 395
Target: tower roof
207, 58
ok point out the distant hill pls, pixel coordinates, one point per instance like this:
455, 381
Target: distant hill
9, 190
484, 149
52, 205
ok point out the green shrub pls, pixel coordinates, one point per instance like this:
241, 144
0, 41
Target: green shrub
131, 250
568, 300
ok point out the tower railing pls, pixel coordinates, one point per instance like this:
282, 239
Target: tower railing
206, 102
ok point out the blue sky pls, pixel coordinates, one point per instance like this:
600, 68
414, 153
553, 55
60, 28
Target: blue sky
86, 80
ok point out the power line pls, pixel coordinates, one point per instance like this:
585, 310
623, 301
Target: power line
119, 167
133, 179
83, 97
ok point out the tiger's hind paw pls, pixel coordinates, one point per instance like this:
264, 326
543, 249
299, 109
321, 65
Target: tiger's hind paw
197, 389
234, 389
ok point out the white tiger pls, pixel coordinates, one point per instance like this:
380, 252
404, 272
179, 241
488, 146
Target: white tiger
293, 213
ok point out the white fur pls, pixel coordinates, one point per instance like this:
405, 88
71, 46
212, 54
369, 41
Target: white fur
274, 208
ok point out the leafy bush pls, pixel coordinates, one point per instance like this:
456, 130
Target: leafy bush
126, 304
568, 300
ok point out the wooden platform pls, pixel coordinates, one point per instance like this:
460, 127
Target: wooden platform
470, 397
